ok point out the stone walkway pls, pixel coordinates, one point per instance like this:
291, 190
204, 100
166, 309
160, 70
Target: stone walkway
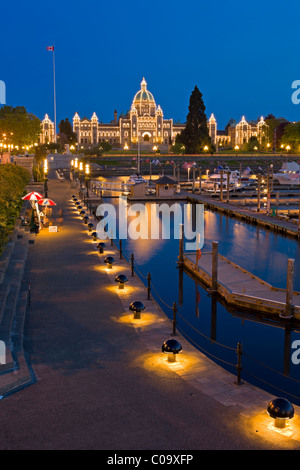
102, 381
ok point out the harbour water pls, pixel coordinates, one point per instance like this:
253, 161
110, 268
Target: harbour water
206, 322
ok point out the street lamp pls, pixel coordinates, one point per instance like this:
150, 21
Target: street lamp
80, 174
45, 177
87, 177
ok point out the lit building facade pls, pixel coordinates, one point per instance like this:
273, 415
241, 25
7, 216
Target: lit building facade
144, 126
47, 135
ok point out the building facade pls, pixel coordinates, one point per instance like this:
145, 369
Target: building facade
47, 135
145, 127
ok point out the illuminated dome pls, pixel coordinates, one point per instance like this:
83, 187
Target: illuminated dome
143, 95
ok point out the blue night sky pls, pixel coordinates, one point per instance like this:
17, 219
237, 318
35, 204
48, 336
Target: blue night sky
243, 56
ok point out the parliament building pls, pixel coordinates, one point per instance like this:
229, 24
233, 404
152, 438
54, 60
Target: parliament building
144, 127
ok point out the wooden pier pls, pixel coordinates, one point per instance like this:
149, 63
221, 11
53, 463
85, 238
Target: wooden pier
240, 288
275, 223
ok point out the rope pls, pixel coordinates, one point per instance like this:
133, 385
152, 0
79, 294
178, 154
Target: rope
152, 286
215, 342
15, 277
270, 368
273, 386
208, 353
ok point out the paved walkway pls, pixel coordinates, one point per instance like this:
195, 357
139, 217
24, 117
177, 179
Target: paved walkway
101, 379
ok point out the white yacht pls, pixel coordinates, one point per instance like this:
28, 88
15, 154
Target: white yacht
213, 182
135, 179
288, 174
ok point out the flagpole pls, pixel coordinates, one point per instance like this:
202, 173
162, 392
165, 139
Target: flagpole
55, 139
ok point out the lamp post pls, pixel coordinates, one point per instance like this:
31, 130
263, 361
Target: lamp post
87, 177
80, 174
45, 177
75, 167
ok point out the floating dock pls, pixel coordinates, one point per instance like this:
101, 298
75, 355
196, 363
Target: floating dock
240, 288
275, 223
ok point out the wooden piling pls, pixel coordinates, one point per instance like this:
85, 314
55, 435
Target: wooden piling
214, 271
200, 177
193, 187
258, 192
181, 243
221, 185
228, 177
289, 289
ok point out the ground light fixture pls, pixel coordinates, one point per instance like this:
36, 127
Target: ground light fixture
281, 410
109, 260
79, 208
121, 279
85, 219
82, 213
171, 347
94, 235
90, 226
101, 247
75, 199
136, 307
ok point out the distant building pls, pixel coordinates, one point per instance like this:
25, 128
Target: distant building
144, 126
47, 136
242, 132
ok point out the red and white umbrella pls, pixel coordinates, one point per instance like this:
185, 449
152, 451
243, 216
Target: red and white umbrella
46, 202
33, 196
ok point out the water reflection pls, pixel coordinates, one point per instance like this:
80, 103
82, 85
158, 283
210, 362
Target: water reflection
205, 320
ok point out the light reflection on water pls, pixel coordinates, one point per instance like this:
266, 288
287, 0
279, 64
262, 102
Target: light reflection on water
263, 253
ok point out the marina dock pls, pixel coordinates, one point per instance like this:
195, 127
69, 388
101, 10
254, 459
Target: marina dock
240, 288
275, 223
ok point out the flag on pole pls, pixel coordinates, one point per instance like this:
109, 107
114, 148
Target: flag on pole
50, 48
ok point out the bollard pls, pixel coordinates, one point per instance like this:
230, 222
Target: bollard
174, 321
239, 353
121, 252
132, 264
149, 285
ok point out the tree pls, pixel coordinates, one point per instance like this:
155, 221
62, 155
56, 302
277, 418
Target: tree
20, 127
275, 129
177, 148
231, 123
252, 144
66, 134
195, 135
291, 135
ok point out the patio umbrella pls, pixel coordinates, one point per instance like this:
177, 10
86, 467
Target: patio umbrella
33, 196
46, 202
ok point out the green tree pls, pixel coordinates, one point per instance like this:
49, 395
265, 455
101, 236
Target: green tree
178, 148
20, 127
66, 134
291, 135
195, 135
275, 130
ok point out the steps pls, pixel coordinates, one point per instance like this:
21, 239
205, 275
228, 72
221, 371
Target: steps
14, 292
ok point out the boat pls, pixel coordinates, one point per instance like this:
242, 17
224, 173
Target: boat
213, 183
135, 179
289, 174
